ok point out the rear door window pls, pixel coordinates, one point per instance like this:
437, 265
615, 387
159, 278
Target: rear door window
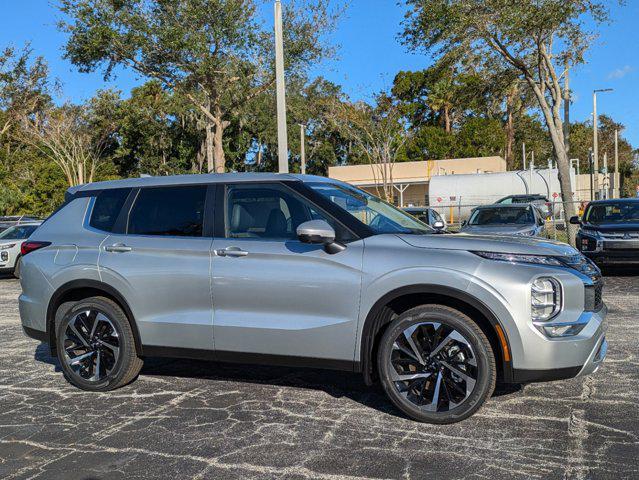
168, 211
106, 209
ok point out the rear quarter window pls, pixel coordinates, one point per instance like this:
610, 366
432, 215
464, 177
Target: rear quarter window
106, 209
169, 211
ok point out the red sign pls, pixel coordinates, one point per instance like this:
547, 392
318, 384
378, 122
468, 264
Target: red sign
555, 195
439, 199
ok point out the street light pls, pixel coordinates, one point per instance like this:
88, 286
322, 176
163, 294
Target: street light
595, 140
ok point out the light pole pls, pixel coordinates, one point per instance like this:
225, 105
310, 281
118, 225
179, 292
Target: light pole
595, 140
282, 134
303, 148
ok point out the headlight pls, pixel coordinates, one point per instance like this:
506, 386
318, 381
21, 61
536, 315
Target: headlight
7, 246
545, 299
520, 258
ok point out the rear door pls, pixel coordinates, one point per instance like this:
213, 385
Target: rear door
274, 295
161, 262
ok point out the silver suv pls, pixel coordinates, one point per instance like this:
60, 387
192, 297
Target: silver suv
303, 271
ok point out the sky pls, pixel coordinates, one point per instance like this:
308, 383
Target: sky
369, 56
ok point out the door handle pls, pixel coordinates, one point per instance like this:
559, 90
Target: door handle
231, 252
118, 248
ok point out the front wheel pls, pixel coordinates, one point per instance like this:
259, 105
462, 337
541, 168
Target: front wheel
95, 345
436, 365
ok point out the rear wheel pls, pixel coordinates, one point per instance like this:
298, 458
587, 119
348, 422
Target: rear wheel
436, 365
95, 345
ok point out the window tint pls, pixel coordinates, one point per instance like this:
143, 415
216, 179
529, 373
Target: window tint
173, 211
107, 207
380, 216
270, 211
502, 216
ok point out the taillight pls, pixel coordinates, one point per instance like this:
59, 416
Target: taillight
28, 247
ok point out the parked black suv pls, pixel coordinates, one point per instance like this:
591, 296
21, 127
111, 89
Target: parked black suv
609, 231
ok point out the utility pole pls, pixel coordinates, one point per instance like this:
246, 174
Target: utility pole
595, 140
606, 179
523, 154
592, 187
617, 178
303, 148
567, 110
282, 134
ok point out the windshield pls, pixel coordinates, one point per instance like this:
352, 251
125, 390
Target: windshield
380, 216
502, 216
18, 232
613, 213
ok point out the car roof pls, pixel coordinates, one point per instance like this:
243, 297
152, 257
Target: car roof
198, 179
614, 200
504, 205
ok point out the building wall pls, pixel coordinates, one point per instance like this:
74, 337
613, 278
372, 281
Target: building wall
411, 172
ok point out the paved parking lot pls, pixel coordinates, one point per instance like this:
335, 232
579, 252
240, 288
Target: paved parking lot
186, 419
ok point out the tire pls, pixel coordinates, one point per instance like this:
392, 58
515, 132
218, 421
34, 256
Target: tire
16, 269
438, 384
95, 345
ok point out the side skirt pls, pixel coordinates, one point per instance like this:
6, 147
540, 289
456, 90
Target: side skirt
252, 358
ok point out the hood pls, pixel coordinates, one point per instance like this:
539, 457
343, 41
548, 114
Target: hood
495, 243
611, 227
497, 229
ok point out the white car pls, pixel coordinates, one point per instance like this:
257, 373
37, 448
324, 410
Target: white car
10, 242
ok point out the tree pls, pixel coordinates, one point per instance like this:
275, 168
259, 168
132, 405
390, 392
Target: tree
66, 137
378, 131
24, 86
214, 52
536, 38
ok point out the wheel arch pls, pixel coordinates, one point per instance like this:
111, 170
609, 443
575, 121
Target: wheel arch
401, 299
76, 290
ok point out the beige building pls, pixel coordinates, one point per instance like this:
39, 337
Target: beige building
410, 179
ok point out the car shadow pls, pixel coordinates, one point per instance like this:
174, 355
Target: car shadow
337, 384
620, 271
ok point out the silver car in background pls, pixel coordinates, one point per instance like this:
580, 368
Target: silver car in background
505, 219
11, 241
304, 271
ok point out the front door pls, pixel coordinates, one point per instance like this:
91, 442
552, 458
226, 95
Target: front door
274, 295
162, 266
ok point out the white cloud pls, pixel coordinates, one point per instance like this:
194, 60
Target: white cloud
620, 72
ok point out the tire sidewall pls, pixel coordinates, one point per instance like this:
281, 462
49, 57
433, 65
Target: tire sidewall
116, 316
483, 352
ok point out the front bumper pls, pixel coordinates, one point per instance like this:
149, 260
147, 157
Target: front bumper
592, 364
609, 251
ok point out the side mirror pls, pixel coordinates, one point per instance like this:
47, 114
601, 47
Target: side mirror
464, 223
439, 225
319, 232
575, 220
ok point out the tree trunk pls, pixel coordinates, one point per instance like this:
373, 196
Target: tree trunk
447, 119
210, 158
555, 128
218, 146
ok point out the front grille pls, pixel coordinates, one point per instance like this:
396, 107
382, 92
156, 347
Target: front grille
621, 235
594, 288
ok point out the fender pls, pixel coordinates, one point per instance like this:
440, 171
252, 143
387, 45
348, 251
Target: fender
378, 316
94, 285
